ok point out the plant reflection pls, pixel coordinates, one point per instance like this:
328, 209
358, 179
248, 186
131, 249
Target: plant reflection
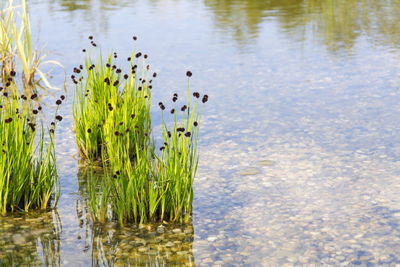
144, 245
338, 24
30, 240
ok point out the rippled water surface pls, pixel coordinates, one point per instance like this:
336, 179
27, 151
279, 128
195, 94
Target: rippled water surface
300, 143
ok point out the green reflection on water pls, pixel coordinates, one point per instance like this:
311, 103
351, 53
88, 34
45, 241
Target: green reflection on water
131, 245
30, 240
337, 23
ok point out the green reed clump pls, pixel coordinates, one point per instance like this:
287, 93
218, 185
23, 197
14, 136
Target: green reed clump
28, 174
111, 109
16, 49
113, 124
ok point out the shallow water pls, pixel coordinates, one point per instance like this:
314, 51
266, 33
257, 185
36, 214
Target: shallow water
300, 142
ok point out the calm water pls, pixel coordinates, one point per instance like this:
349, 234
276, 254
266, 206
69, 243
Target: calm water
300, 145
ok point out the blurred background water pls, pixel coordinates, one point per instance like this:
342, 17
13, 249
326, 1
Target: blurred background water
299, 146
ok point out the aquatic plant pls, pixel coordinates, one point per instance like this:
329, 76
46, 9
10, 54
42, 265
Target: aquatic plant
28, 174
113, 126
111, 109
16, 49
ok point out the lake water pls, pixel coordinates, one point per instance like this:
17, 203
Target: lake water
299, 146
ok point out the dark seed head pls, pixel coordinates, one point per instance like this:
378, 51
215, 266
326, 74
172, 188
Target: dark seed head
116, 83
196, 94
169, 134
195, 123
129, 58
132, 116
62, 97
90, 37
40, 108
35, 111
174, 99
145, 56
8, 120
162, 107
162, 148
183, 108
134, 38
205, 99
138, 54
189, 74
118, 71
58, 102
89, 130
126, 76
188, 134
12, 73
59, 118
117, 133
172, 111
83, 50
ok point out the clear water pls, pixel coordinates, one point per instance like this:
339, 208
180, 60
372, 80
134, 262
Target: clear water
300, 144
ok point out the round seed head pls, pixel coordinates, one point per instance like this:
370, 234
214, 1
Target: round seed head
189, 74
